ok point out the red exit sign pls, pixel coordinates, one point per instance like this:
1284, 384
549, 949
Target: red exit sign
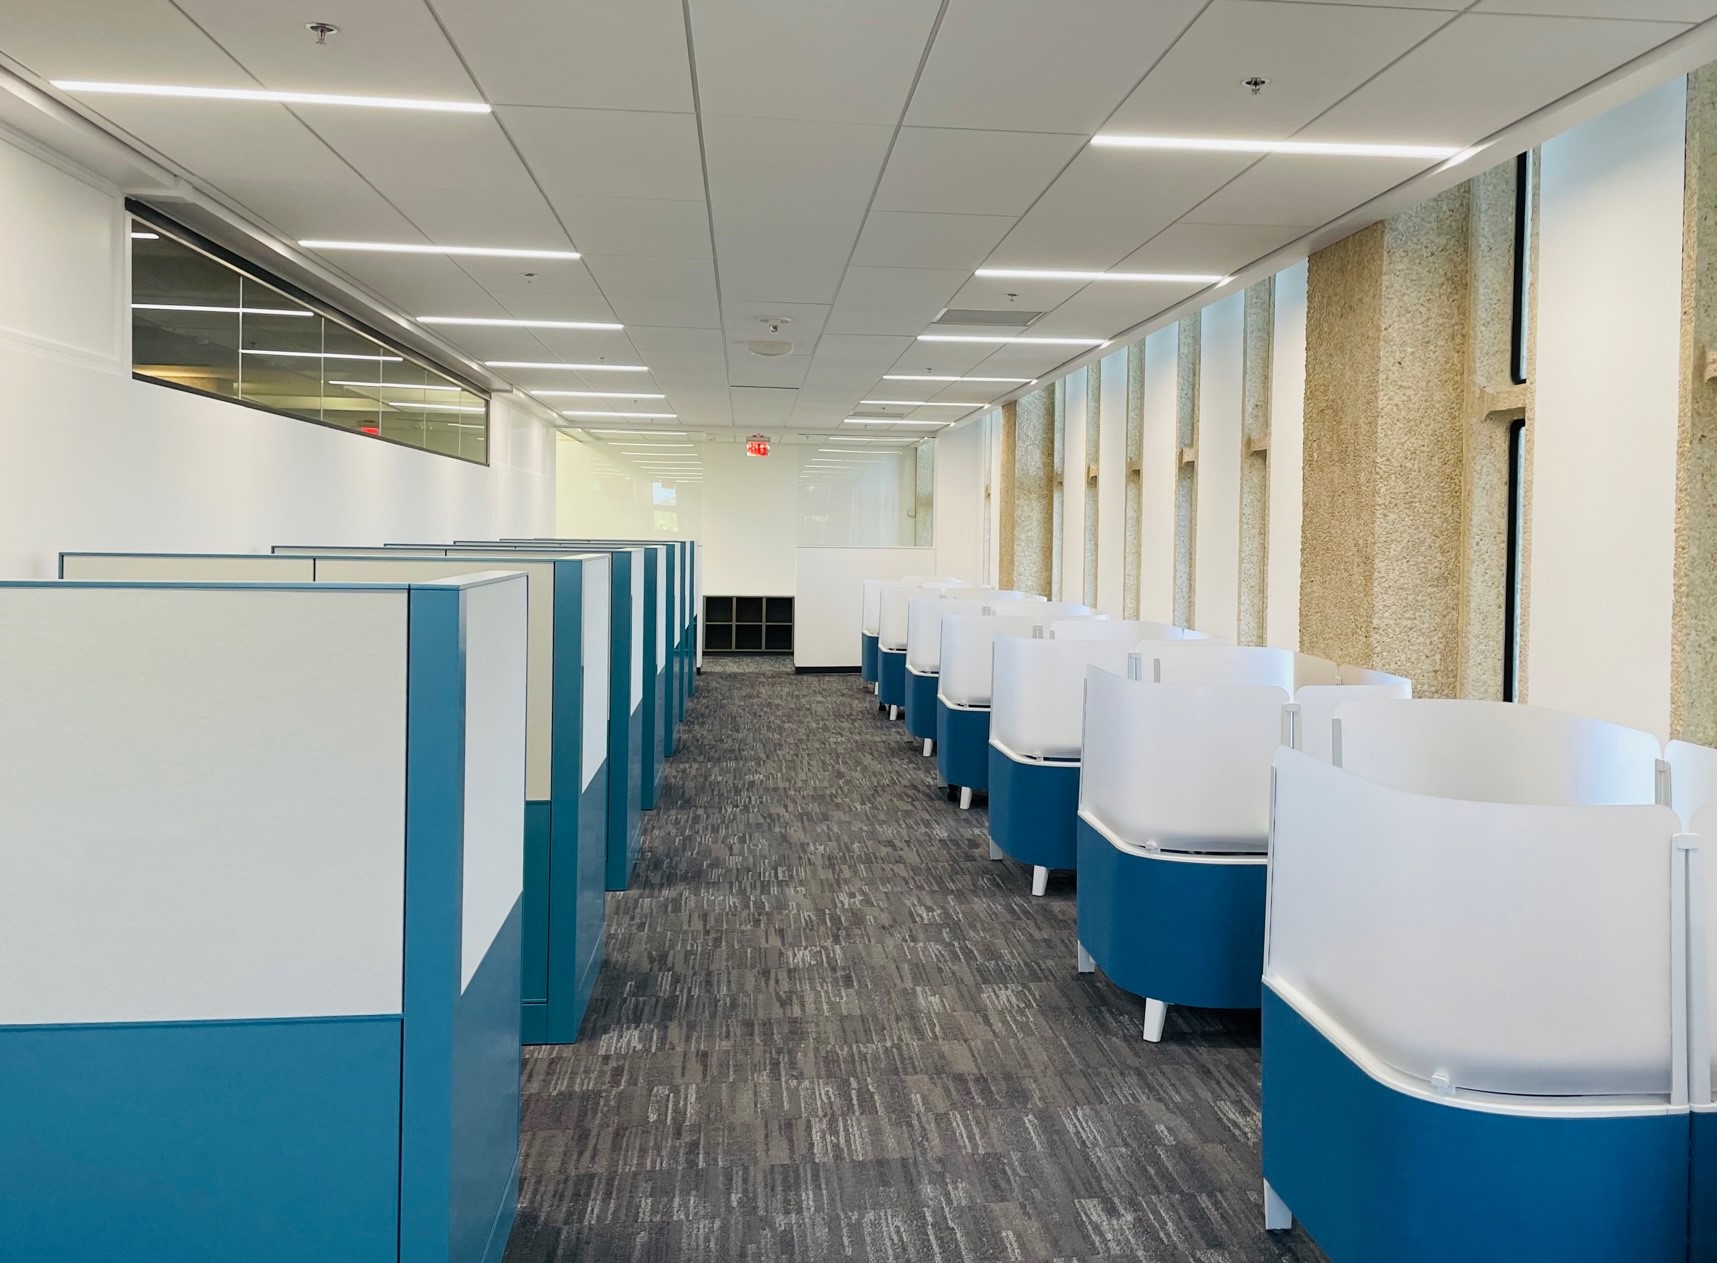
757, 445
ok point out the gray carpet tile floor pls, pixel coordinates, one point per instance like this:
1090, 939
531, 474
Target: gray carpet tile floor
830, 1030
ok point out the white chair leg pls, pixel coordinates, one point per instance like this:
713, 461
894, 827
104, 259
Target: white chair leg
1277, 1216
1156, 1013
929, 746
1086, 964
966, 805
1039, 880
995, 851
893, 713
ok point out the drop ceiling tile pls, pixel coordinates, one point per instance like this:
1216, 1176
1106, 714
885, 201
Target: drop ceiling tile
1022, 65
1302, 189
609, 54
781, 278
1104, 310
98, 40
786, 59
577, 346
483, 215
892, 300
909, 239
961, 172
1474, 76
1643, 10
745, 369
662, 346
270, 145
804, 321
944, 358
609, 153
416, 284
680, 313
1218, 249
557, 277
383, 48
338, 209
762, 407
991, 294
863, 358
1312, 55
632, 225
644, 277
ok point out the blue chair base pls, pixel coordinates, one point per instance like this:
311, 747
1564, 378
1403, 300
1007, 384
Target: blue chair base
1033, 808
921, 704
891, 677
1377, 1175
963, 746
1182, 931
867, 658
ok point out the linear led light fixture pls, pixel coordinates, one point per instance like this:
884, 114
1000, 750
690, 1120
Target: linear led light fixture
1062, 274
394, 385
937, 377
435, 407
146, 236
935, 425
405, 247
325, 355
666, 434
229, 311
261, 94
576, 368
918, 403
1323, 148
593, 394
646, 416
494, 322
996, 337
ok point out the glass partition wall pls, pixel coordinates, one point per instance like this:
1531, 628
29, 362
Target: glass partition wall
201, 323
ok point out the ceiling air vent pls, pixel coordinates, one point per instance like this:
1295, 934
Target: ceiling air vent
1011, 318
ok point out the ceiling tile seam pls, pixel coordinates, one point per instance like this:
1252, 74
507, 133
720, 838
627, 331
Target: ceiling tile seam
1452, 17
708, 203
882, 170
536, 183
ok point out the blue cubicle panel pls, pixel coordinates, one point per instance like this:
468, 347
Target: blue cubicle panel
565, 815
262, 909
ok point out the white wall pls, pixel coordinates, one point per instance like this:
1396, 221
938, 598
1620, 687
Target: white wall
958, 536
1159, 460
1606, 367
1287, 456
1216, 583
93, 459
1112, 482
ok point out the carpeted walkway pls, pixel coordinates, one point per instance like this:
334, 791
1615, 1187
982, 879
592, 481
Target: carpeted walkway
831, 1031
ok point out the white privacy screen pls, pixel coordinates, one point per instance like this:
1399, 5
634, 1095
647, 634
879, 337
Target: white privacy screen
1459, 938
1318, 704
1498, 752
202, 798
598, 613
539, 580
1131, 630
1194, 663
1185, 767
813, 559
968, 641
214, 567
892, 604
637, 628
495, 686
1037, 706
1692, 781
924, 615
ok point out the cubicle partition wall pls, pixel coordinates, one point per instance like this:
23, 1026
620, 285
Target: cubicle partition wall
261, 887
893, 600
566, 789
834, 595
924, 615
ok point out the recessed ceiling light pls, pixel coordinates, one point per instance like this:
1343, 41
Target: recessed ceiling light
935, 425
394, 385
259, 94
592, 394
146, 236
937, 377
648, 416
518, 324
1326, 148
1061, 274
668, 434
323, 355
576, 368
434, 407
401, 247
994, 337
918, 403
231, 311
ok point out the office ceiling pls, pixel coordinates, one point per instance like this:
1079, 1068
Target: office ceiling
846, 166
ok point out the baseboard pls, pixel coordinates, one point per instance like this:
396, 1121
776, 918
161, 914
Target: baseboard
852, 670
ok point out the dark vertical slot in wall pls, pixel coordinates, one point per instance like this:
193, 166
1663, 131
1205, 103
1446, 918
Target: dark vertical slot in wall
1512, 581
1517, 351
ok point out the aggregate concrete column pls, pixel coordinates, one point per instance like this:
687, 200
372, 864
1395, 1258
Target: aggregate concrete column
1004, 494
1033, 534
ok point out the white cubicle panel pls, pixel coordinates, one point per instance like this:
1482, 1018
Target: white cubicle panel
1180, 767
1498, 752
924, 615
597, 609
1130, 629
892, 603
1037, 706
1318, 704
968, 642
871, 609
1692, 779
1194, 663
1477, 946
221, 568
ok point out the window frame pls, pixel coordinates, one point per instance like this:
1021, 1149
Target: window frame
193, 240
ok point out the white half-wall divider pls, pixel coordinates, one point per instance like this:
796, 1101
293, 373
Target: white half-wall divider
261, 888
